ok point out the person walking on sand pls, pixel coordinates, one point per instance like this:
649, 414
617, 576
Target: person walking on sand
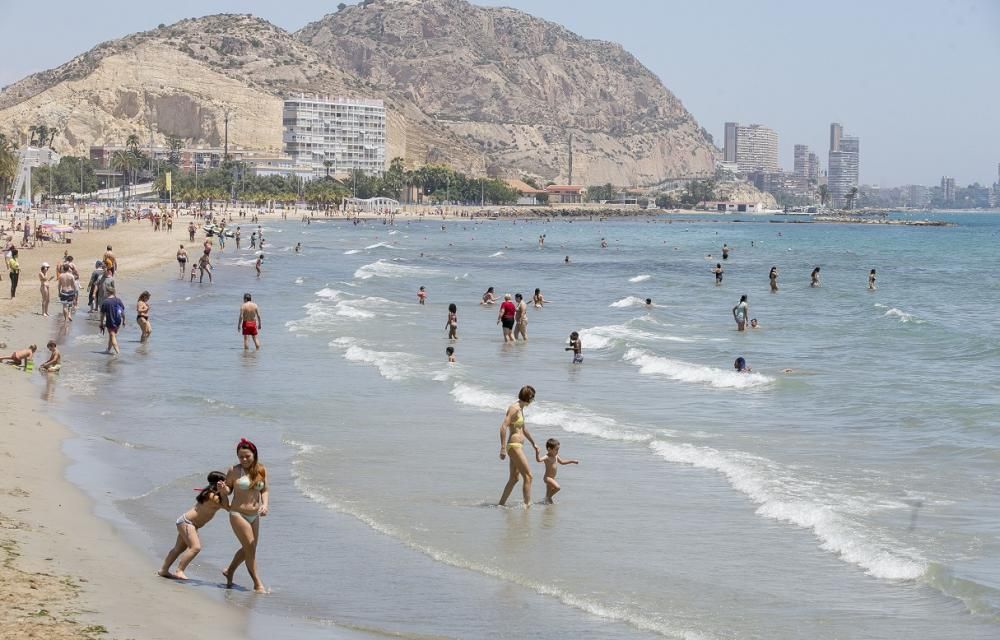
513, 433
248, 482
182, 260
249, 323
871, 282
14, 270
142, 316
505, 317
191, 230
740, 313
208, 502
452, 324
520, 318
773, 277
44, 277
237, 238
112, 319
814, 278
552, 462
110, 261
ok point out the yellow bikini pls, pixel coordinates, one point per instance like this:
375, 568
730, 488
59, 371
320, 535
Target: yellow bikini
516, 424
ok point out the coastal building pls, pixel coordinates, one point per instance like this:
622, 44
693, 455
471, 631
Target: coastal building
565, 193
729, 152
844, 165
756, 148
806, 167
814, 172
345, 133
733, 207
917, 196
187, 158
527, 194
947, 189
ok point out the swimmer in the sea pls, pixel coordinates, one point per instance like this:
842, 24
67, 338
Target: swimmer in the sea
754, 324
450, 352
452, 324
552, 462
489, 298
576, 346
649, 303
566, 260
718, 273
773, 277
741, 365
539, 299
740, 313
422, 295
814, 278
871, 280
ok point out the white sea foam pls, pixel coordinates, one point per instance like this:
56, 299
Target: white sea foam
391, 365
386, 269
379, 245
299, 280
650, 364
615, 613
640, 278
329, 294
603, 337
351, 252
497, 254
630, 301
902, 316
549, 414
781, 497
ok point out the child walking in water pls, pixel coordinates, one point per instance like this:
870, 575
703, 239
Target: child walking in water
552, 459
210, 499
576, 347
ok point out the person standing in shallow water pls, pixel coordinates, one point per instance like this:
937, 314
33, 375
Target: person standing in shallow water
520, 318
249, 323
814, 278
513, 433
505, 317
452, 324
773, 277
871, 280
740, 313
247, 480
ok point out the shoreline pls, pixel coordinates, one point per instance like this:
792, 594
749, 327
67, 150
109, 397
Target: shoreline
70, 573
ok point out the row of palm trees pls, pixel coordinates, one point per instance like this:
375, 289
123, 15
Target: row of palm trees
851, 196
8, 165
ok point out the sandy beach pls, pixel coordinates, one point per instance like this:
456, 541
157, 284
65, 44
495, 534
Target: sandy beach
68, 574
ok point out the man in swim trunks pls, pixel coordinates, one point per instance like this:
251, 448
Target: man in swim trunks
508, 310
249, 323
67, 292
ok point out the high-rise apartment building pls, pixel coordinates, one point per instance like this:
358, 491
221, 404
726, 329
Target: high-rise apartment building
350, 134
729, 154
806, 165
836, 133
813, 167
756, 149
948, 189
844, 165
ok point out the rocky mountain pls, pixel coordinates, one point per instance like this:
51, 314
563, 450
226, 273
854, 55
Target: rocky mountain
472, 86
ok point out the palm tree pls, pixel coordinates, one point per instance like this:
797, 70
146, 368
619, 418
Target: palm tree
8, 164
328, 164
852, 197
824, 194
122, 161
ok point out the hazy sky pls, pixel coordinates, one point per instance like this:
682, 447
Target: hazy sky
916, 80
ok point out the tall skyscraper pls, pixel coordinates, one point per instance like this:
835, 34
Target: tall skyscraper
729, 154
948, 189
836, 133
756, 149
801, 158
348, 133
844, 166
813, 167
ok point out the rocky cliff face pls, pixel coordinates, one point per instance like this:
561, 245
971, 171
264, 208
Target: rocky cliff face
516, 87
467, 85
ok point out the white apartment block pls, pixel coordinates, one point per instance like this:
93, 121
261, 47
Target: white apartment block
348, 133
756, 149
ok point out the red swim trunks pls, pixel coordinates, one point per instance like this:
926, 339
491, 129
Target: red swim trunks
249, 327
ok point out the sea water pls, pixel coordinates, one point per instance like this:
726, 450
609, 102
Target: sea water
855, 496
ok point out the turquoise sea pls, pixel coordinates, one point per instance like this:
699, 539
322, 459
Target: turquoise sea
854, 497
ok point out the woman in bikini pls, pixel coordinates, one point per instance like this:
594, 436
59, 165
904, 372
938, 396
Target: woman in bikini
142, 316
513, 445
248, 481
44, 277
213, 497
